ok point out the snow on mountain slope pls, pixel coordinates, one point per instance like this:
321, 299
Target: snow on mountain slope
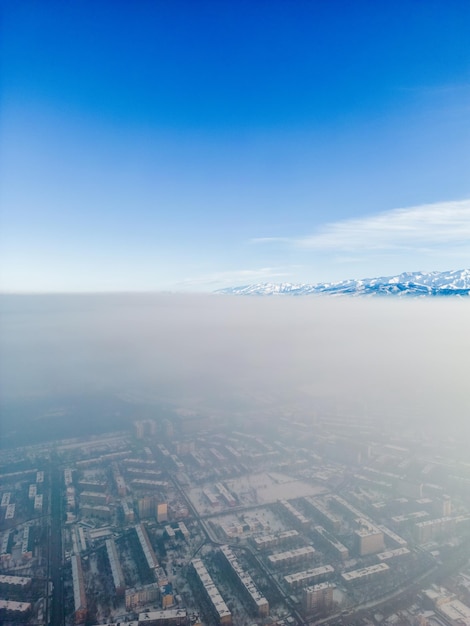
451, 283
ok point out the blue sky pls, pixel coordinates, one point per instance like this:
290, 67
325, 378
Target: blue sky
196, 145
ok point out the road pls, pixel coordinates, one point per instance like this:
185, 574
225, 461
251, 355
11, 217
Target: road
55, 548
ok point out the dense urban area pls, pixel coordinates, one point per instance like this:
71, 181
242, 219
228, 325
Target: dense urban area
192, 521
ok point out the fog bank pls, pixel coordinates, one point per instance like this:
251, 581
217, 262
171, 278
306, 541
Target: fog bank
223, 354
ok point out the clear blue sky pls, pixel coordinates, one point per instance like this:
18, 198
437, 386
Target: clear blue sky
194, 145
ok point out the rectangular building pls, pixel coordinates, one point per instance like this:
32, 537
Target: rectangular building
364, 574
219, 608
137, 596
68, 476
393, 554
184, 530
170, 532
393, 537
26, 551
171, 617
9, 609
332, 543
93, 497
92, 485
321, 511
369, 540
430, 529
294, 514
5, 546
116, 569
415, 516
162, 512
246, 583
120, 485
318, 597
101, 512
315, 575
79, 597
6, 499
127, 511
146, 546
81, 538
281, 559
264, 542
14, 582
226, 495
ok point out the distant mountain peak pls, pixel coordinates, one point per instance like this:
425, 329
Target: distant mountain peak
450, 283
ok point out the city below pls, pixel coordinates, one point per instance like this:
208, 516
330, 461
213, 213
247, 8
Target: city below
189, 520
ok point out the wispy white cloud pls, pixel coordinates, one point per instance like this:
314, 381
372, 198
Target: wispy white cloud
237, 277
423, 228
270, 240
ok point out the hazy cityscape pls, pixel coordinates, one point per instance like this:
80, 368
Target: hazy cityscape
190, 519
234, 313
289, 483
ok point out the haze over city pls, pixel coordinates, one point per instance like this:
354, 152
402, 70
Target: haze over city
226, 354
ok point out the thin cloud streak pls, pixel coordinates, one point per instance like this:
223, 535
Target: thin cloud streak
421, 228
270, 240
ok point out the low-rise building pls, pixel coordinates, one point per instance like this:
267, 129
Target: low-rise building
281, 559
79, 596
256, 599
393, 554
364, 574
219, 608
331, 543
305, 577
128, 512
10, 512
169, 617
226, 495
116, 569
5, 499
146, 546
265, 542
322, 512
298, 517
14, 582
392, 537
138, 596
14, 610
26, 551
5, 546
99, 511
93, 497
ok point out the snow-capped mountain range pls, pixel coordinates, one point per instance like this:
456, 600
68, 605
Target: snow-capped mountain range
451, 283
